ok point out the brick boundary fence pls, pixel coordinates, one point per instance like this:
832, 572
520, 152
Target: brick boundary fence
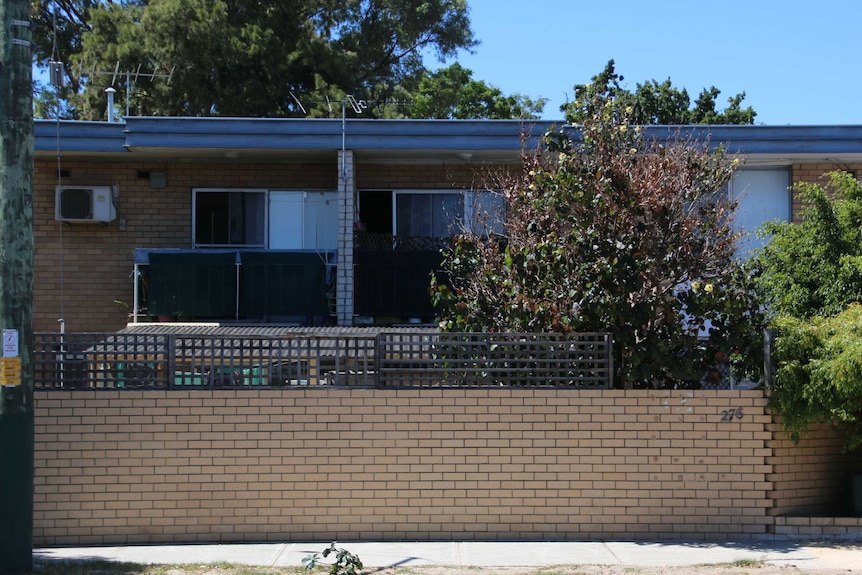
323, 463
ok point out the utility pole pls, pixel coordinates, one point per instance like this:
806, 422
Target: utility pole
16, 288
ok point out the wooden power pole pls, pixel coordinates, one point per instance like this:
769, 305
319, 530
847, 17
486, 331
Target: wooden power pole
16, 288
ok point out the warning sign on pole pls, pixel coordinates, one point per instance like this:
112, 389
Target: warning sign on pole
10, 363
10, 371
10, 343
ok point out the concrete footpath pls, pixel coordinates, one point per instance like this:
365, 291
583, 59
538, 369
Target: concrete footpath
807, 556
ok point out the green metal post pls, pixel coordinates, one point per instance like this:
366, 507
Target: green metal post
16, 288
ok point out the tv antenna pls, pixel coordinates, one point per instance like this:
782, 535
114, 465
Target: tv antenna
132, 76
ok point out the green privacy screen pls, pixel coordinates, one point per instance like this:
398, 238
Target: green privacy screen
272, 284
190, 285
285, 284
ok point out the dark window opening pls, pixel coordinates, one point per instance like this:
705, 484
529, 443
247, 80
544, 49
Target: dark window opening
375, 211
229, 218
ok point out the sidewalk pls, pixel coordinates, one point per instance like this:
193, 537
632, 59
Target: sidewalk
819, 555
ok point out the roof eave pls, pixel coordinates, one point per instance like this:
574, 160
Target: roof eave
401, 140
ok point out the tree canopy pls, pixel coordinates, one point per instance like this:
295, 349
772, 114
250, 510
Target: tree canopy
612, 232
661, 103
301, 58
230, 57
452, 93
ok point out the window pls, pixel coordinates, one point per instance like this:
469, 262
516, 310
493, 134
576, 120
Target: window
762, 195
428, 214
225, 218
303, 220
485, 212
442, 214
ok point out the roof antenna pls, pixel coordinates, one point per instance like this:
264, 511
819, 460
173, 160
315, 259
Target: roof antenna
298, 103
357, 105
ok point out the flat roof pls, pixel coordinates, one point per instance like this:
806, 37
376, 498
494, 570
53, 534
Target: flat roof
245, 139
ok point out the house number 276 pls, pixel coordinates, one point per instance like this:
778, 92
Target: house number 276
729, 415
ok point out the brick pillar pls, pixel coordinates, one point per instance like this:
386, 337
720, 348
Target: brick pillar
346, 201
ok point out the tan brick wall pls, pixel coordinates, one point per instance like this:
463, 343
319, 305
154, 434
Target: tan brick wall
438, 176
435, 464
811, 477
818, 527
815, 173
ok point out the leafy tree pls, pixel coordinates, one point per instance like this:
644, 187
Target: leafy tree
612, 233
59, 25
810, 278
58, 28
661, 103
452, 93
118, 25
814, 268
230, 57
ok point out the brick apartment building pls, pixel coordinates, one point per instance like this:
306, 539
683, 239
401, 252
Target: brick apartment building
315, 222
210, 218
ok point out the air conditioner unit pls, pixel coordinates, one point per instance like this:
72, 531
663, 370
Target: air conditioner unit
84, 204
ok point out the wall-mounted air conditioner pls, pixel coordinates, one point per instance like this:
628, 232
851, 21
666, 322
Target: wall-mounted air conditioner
84, 204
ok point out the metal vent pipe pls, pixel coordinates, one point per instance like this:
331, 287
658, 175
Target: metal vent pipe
110, 92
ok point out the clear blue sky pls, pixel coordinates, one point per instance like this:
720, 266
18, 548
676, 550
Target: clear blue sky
798, 62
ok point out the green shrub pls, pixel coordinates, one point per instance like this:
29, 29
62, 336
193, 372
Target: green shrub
818, 376
613, 232
345, 563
